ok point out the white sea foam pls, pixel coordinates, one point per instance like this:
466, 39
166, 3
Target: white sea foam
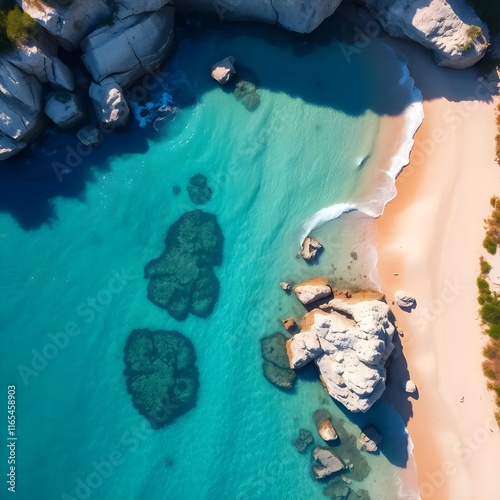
374, 202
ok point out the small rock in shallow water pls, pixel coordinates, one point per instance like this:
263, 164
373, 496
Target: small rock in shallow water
275, 365
405, 300
247, 94
284, 285
310, 248
303, 441
199, 191
289, 323
89, 136
329, 463
370, 438
223, 70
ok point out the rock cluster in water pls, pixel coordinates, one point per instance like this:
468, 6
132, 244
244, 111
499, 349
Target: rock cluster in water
182, 279
161, 374
199, 191
303, 440
275, 361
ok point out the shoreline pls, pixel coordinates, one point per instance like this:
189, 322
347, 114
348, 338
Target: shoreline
431, 236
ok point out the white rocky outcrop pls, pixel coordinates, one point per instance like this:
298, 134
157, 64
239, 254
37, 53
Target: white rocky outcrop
39, 58
444, 26
302, 16
69, 23
130, 48
109, 103
326, 430
404, 299
355, 342
65, 109
312, 290
20, 103
223, 70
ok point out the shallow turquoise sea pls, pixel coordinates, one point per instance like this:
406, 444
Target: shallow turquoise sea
270, 170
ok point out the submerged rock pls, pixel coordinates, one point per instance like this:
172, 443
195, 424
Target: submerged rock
329, 463
404, 299
90, 136
303, 441
370, 438
182, 280
312, 290
310, 248
199, 191
161, 374
247, 94
223, 70
275, 364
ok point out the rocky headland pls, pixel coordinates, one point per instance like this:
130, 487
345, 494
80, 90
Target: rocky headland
113, 43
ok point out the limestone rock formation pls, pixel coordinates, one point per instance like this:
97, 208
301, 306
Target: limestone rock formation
39, 58
284, 285
312, 290
21, 104
404, 299
310, 248
126, 8
327, 431
304, 439
355, 341
130, 48
223, 70
450, 28
68, 22
161, 374
329, 463
182, 280
65, 109
110, 105
302, 16
275, 361
370, 438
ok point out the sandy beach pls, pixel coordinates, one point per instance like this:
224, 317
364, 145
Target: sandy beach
429, 241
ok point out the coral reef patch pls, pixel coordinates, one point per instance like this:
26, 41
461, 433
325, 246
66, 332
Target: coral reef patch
182, 279
199, 191
161, 374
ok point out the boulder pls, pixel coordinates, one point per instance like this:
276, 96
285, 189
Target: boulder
285, 286
302, 348
247, 94
370, 438
312, 290
327, 431
275, 361
355, 341
129, 48
302, 16
450, 28
38, 57
409, 387
89, 136
404, 300
329, 462
223, 70
68, 22
9, 147
21, 103
289, 323
303, 441
64, 109
310, 248
110, 105
126, 8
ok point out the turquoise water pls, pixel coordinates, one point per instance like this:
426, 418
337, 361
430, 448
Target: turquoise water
63, 244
